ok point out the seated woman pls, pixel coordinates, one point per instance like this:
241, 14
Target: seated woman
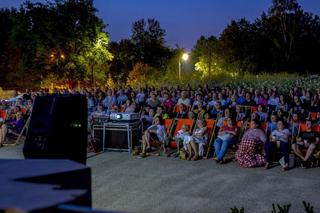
306, 144
155, 135
250, 151
226, 137
263, 115
195, 143
279, 137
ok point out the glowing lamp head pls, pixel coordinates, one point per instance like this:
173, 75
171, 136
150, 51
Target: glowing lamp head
185, 56
118, 116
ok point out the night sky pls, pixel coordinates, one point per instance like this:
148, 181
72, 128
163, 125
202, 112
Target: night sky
184, 20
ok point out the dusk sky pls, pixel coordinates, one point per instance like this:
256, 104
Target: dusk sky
184, 20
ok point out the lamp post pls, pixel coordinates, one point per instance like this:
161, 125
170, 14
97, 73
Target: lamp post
184, 57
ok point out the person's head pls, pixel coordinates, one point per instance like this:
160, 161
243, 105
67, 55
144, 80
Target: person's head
206, 116
230, 122
218, 105
280, 125
128, 102
309, 125
183, 94
248, 96
158, 120
185, 127
29, 102
296, 99
279, 113
255, 124
19, 101
199, 97
318, 115
99, 108
227, 113
191, 115
260, 108
166, 96
159, 110
273, 118
238, 108
109, 92
201, 123
153, 96
295, 117
18, 115
233, 98
151, 112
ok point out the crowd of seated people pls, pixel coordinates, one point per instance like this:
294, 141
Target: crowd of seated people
13, 116
257, 122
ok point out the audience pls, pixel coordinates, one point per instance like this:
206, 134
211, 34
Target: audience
270, 105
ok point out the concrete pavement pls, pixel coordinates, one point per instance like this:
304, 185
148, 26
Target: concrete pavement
160, 184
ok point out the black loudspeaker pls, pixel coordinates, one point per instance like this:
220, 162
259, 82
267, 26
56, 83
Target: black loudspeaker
58, 128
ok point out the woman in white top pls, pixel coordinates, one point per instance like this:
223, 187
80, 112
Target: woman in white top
196, 142
279, 137
155, 135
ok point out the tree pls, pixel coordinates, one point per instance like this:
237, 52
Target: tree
141, 74
148, 41
96, 57
54, 38
205, 56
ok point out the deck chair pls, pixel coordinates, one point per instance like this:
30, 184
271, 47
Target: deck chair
313, 116
178, 125
254, 109
3, 114
168, 125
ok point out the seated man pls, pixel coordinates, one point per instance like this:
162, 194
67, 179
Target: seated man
15, 125
306, 144
155, 135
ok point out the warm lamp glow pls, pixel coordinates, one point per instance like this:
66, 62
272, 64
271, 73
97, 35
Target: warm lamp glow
185, 56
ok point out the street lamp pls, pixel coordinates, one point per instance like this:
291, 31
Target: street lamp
184, 57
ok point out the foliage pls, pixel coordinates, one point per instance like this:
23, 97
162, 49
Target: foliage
52, 38
236, 210
142, 73
307, 207
280, 209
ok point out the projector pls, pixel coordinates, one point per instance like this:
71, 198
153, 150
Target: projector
124, 116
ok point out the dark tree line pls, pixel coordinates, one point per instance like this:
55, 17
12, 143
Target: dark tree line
63, 39
284, 39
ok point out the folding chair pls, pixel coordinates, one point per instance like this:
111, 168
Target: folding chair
3, 114
211, 126
313, 116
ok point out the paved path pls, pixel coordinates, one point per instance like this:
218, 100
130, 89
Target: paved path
160, 184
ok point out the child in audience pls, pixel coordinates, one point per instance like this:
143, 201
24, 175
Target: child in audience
181, 134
